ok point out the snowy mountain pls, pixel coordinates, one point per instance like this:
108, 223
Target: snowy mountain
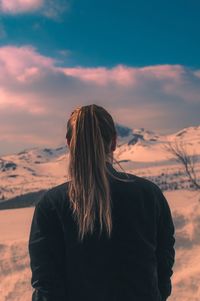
139, 151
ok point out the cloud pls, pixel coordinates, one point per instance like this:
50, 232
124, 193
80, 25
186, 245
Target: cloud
122, 75
52, 9
17, 62
34, 88
20, 6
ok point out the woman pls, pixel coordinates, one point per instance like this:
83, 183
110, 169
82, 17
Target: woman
104, 235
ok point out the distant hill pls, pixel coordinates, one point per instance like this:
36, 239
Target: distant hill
25, 174
22, 201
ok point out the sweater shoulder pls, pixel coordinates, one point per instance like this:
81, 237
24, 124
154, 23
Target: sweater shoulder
138, 181
52, 196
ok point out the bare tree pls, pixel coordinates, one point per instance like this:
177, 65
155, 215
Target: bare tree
179, 151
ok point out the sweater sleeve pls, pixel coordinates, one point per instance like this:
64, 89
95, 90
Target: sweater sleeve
46, 280
165, 246
40, 256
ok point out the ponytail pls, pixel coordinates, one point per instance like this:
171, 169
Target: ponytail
90, 130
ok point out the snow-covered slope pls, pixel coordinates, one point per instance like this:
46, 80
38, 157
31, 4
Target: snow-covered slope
35, 169
140, 152
15, 274
32, 170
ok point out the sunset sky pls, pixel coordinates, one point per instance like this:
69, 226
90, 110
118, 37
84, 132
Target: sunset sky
139, 59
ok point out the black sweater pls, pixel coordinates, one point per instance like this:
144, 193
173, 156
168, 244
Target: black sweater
135, 264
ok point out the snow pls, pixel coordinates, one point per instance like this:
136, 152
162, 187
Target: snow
14, 260
14, 224
14, 264
36, 169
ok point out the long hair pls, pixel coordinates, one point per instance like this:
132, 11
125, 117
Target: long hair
90, 130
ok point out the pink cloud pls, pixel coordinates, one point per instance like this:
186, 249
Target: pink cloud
23, 63
36, 94
26, 64
121, 75
52, 9
125, 76
22, 103
162, 72
19, 6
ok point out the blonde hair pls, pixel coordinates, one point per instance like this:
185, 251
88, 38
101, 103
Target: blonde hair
90, 130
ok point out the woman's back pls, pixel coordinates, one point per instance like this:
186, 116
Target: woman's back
134, 263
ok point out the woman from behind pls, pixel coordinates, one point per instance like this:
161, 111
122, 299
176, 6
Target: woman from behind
104, 235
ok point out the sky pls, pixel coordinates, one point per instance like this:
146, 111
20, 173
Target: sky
138, 59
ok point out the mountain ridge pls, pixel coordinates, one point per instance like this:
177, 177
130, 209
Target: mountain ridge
137, 149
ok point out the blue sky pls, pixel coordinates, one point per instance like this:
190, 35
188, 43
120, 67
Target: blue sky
106, 33
130, 56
